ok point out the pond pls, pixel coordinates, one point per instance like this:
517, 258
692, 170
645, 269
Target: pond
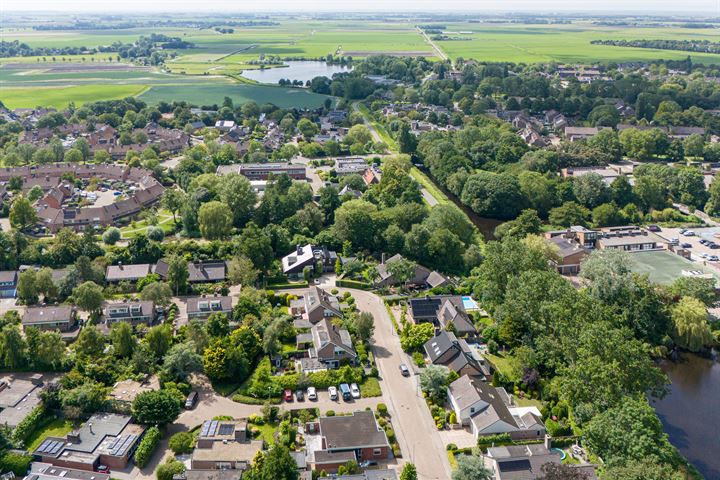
299, 70
689, 413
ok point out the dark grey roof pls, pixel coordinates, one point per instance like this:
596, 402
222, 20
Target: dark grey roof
54, 314
352, 431
208, 304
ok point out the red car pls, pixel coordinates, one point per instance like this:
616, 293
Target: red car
287, 395
103, 469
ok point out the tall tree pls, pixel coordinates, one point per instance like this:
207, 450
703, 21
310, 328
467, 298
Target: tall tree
22, 213
692, 330
177, 274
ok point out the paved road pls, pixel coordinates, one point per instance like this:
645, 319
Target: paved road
437, 49
417, 435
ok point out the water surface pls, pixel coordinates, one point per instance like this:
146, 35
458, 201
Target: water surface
298, 70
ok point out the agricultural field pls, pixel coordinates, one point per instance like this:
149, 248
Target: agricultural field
61, 97
566, 43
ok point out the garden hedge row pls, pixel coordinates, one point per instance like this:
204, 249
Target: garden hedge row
147, 446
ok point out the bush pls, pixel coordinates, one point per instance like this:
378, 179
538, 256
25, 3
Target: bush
382, 409
419, 359
111, 236
451, 447
353, 284
147, 446
29, 424
490, 439
16, 463
155, 233
330, 413
181, 443
168, 470
241, 398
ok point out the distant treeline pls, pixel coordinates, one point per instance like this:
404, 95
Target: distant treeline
85, 25
151, 47
702, 46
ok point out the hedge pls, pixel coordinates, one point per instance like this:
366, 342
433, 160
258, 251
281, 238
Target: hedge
16, 463
287, 286
353, 284
241, 398
147, 446
29, 424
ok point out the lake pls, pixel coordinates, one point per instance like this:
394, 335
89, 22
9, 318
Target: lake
299, 70
690, 413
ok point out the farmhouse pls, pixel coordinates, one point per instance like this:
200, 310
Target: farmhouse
105, 439
333, 441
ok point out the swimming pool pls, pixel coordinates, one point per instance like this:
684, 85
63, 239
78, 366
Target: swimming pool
469, 304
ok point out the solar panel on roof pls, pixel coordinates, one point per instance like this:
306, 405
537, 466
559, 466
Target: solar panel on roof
514, 465
56, 448
227, 429
205, 428
213, 428
44, 445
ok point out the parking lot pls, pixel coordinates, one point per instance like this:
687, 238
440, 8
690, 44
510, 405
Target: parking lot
692, 243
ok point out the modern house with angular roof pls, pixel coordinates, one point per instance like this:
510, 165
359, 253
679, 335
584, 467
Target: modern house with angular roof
447, 350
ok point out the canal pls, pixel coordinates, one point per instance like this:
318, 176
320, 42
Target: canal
690, 414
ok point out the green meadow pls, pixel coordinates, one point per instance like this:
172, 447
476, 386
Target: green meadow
566, 43
61, 97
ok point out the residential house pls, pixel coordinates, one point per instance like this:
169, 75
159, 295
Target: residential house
127, 273
515, 462
47, 471
333, 441
608, 174
447, 350
200, 308
444, 311
316, 305
569, 255
372, 176
347, 190
332, 346
490, 411
60, 317
312, 256
423, 277
8, 283
263, 171
580, 133
350, 165
198, 272
124, 392
19, 395
134, 312
577, 233
381, 474
105, 439
224, 445
224, 125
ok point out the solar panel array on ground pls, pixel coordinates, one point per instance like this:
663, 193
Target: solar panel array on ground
120, 445
50, 447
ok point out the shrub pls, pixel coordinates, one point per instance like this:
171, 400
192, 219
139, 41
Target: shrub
168, 470
181, 443
147, 446
29, 424
419, 359
453, 418
330, 413
16, 463
111, 236
382, 409
451, 447
156, 233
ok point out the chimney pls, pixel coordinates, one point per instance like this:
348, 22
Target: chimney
382, 258
548, 441
299, 249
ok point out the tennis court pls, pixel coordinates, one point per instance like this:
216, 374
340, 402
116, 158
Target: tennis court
664, 267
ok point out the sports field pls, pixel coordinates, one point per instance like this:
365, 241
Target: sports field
664, 267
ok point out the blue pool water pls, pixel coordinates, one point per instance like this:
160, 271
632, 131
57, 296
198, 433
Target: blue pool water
469, 303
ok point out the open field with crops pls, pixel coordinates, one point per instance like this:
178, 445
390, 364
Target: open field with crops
565, 43
61, 97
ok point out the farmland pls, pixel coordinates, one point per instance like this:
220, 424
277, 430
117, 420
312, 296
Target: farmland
565, 43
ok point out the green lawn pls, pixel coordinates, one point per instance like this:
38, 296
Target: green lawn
56, 428
425, 181
505, 364
370, 387
62, 96
165, 221
267, 431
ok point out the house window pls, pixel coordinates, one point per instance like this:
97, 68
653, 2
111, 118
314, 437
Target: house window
377, 452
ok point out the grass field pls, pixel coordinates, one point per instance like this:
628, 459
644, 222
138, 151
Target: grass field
56, 428
566, 43
663, 267
61, 97
208, 94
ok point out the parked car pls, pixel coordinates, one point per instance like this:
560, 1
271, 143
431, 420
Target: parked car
704, 242
404, 370
654, 228
685, 245
103, 469
714, 246
713, 258
674, 241
368, 463
191, 400
287, 395
300, 395
355, 390
311, 393
333, 393
345, 391
688, 233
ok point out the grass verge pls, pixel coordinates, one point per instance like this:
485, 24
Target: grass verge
370, 387
55, 428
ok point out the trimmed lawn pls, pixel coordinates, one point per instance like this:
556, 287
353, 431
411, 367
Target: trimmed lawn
425, 181
505, 364
165, 221
528, 402
56, 428
225, 388
370, 388
267, 431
